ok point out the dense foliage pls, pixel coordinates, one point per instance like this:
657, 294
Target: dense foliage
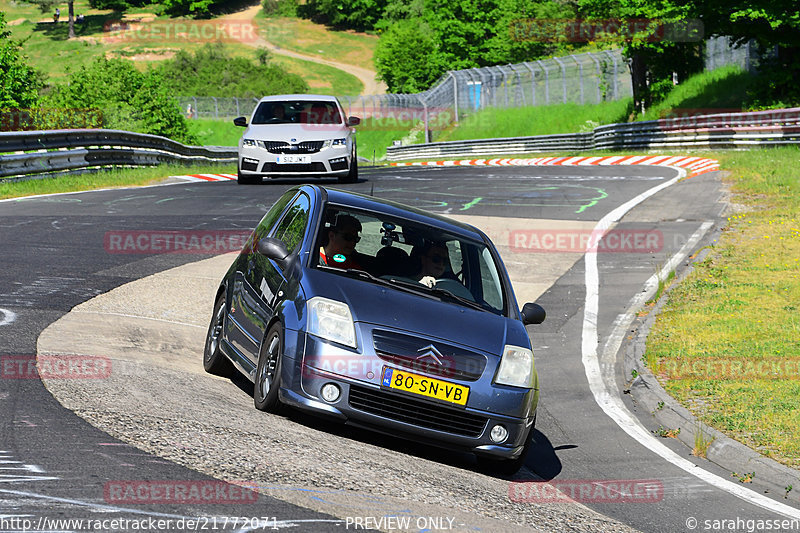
19, 82
127, 98
212, 71
422, 39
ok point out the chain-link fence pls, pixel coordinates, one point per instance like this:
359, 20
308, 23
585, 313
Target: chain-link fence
587, 78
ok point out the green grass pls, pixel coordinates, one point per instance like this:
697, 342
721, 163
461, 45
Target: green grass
739, 307
720, 91
210, 132
321, 78
307, 37
541, 120
49, 50
108, 178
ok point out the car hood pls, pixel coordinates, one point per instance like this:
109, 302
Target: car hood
296, 132
420, 316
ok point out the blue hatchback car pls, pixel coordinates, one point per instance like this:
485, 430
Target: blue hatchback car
384, 317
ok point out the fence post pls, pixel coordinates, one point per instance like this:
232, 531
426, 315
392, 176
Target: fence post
546, 82
616, 74
563, 77
599, 76
425, 119
533, 84
238, 112
216, 108
580, 75
455, 97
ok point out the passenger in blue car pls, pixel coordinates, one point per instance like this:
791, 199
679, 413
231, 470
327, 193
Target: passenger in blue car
340, 250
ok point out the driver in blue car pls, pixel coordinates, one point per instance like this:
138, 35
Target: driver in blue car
340, 250
432, 259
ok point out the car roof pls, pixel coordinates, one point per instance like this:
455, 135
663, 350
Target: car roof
284, 97
388, 207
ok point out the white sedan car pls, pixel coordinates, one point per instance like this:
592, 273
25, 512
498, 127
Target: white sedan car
298, 135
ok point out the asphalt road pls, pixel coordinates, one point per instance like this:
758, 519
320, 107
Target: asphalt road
54, 464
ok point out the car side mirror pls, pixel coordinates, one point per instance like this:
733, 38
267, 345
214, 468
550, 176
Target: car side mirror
240, 121
532, 313
353, 121
272, 248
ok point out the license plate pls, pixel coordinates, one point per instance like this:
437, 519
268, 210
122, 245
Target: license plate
425, 386
293, 159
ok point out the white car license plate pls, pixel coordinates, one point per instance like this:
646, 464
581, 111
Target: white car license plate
293, 159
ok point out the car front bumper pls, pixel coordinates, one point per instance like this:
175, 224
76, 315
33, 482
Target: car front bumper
258, 161
364, 403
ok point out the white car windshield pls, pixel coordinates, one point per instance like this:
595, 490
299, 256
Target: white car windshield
297, 112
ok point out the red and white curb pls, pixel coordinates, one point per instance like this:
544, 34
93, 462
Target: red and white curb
207, 177
695, 165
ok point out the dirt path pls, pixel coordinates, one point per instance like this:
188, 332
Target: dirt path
367, 76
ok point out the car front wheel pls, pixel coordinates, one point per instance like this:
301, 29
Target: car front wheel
214, 361
268, 371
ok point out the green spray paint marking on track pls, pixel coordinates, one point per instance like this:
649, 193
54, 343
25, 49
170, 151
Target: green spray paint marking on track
603, 194
471, 204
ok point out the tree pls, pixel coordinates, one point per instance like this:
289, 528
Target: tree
19, 82
408, 58
129, 99
772, 24
48, 6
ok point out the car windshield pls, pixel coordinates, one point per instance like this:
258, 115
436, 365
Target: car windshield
410, 256
297, 112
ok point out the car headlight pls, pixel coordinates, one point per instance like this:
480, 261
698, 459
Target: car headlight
334, 142
516, 367
248, 142
331, 320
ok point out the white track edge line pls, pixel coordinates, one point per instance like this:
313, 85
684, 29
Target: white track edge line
612, 404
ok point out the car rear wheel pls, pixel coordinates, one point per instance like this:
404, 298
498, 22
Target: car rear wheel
268, 371
507, 467
214, 361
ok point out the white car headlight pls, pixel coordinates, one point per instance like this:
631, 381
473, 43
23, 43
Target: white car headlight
248, 142
331, 320
334, 142
516, 367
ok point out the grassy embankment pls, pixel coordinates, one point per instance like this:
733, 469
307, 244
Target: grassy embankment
718, 91
727, 344
50, 51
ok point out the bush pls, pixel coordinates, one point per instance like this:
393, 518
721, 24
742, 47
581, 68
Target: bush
212, 71
19, 82
128, 99
279, 8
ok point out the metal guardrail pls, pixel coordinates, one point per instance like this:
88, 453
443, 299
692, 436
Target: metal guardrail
38, 152
725, 130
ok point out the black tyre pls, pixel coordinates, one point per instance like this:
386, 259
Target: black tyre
507, 467
352, 175
214, 361
243, 179
268, 371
